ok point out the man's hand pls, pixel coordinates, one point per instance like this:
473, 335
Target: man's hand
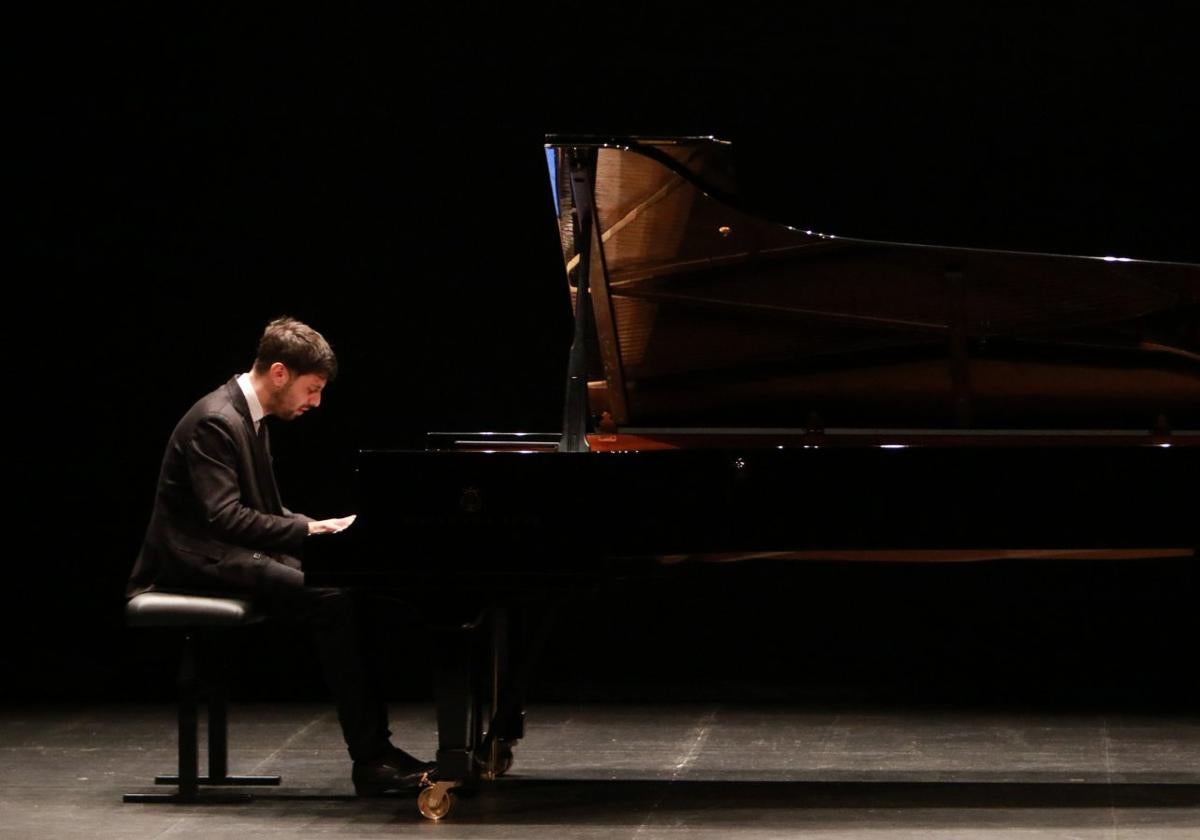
330, 526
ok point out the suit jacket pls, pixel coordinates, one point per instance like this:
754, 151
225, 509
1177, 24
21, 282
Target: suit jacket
217, 518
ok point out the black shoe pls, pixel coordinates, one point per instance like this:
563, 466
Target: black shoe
395, 771
409, 763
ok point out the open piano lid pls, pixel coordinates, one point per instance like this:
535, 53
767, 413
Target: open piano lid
709, 314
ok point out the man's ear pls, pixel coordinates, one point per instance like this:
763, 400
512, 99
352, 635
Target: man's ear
278, 373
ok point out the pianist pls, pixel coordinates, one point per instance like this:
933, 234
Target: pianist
218, 526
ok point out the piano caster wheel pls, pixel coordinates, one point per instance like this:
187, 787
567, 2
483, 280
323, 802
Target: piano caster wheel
435, 801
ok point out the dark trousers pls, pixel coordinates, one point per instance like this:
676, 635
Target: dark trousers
330, 615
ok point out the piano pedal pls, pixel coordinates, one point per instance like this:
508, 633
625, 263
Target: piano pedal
435, 800
499, 762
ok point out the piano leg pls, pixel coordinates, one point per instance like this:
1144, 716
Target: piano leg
478, 720
456, 691
506, 717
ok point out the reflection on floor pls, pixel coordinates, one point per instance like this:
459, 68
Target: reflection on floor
716, 770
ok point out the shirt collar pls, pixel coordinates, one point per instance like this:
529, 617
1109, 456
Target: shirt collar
256, 409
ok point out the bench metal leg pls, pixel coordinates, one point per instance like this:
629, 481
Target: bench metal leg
188, 779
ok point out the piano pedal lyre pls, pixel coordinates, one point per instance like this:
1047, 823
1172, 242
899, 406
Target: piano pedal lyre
435, 800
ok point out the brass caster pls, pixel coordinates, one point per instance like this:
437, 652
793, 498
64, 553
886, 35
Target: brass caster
435, 801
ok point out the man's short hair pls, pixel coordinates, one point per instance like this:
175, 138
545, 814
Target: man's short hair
296, 345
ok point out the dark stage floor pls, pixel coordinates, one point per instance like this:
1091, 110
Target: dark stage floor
710, 770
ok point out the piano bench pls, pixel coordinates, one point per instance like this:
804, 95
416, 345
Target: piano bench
202, 621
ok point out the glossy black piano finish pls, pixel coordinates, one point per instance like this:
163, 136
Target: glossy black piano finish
496, 515
498, 540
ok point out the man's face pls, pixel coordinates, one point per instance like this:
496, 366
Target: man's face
294, 395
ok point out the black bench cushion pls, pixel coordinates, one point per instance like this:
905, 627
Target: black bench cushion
170, 609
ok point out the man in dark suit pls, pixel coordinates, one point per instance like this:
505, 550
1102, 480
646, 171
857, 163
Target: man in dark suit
218, 526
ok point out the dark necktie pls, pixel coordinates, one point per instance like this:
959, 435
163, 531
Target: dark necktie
267, 474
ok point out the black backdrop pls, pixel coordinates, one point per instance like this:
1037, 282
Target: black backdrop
184, 179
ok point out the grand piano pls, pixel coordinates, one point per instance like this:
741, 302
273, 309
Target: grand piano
742, 391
